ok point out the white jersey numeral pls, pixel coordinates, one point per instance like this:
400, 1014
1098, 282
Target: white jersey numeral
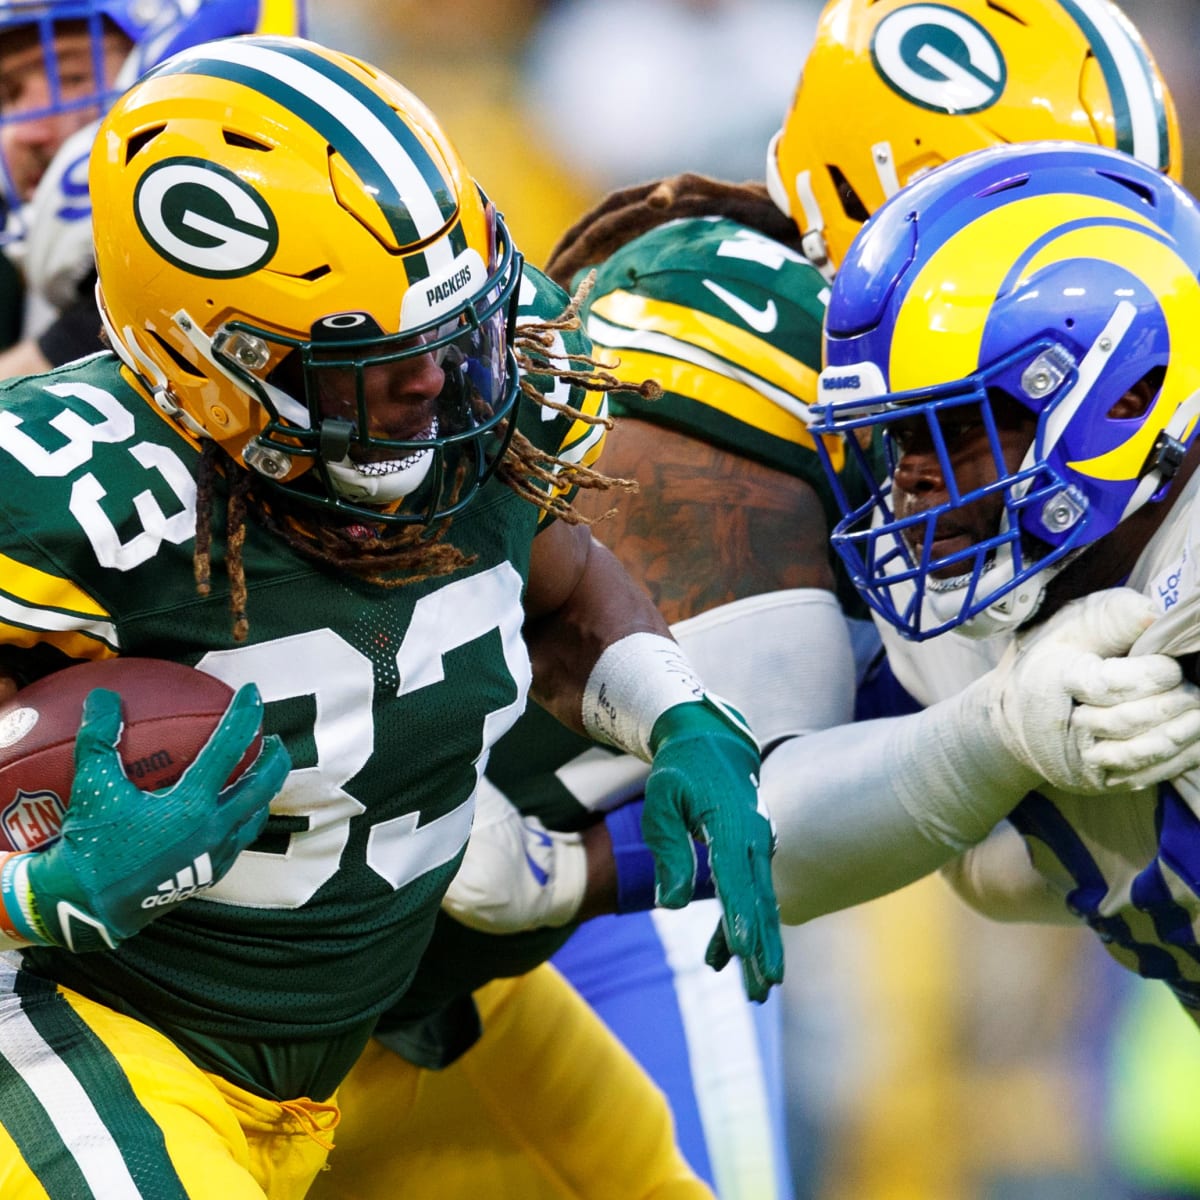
325, 666
78, 438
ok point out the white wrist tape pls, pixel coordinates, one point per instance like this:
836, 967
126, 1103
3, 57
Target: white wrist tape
635, 680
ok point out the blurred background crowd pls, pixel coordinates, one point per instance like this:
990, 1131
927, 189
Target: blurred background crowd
931, 1055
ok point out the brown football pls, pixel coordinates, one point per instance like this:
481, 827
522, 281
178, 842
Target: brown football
169, 711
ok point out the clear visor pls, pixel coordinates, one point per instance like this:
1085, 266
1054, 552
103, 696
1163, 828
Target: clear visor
385, 417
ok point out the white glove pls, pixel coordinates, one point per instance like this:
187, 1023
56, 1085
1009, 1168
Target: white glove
1070, 706
516, 874
58, 240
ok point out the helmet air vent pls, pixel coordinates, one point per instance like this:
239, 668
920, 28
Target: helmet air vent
1005, 12
233, 138
139, 140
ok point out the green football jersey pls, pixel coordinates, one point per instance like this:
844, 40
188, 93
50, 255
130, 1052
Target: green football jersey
388, 700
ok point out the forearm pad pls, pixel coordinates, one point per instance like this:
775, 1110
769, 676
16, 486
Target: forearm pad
861, 810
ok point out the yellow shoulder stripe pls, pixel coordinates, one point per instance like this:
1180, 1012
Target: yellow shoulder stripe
43, 590
737, 400
639, 315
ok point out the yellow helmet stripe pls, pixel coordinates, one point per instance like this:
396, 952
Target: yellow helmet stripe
943, 317
632, 322
1178, 293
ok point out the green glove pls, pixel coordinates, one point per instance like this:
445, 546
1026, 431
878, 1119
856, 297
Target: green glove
703, 783
127, 856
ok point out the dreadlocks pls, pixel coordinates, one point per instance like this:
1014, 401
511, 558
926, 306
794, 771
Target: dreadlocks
629, 212
524, 466
414, 553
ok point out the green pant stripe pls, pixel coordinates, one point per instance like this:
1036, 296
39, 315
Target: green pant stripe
135, 1137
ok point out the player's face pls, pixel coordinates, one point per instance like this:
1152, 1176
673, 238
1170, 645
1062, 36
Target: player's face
29, 145
920, 483
401, 399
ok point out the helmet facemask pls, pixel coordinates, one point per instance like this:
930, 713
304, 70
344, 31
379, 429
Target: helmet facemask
1055, 278
338, 400
91, 52
933, 568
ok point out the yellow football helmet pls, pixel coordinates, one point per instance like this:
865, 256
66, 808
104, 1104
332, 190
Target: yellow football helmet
892, 88
294, 263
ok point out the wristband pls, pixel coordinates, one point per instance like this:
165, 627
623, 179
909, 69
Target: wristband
635, 680
18, 919
635, 864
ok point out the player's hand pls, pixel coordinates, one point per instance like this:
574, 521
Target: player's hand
703, 783
1085, 717
516, 874
127, 856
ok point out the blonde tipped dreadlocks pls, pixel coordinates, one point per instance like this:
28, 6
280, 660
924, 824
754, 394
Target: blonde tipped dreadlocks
629, 212
414, 553
524, 466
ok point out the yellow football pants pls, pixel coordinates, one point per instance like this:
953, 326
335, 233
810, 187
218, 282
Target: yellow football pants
96, 1105
548, 1105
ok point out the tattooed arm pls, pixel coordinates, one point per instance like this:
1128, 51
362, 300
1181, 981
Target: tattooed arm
708, 527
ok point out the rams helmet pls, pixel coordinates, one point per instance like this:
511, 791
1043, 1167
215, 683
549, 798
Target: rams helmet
893, 88
295, 264
1053, 279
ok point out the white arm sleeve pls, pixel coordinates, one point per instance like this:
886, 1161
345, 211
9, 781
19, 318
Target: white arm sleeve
782, 659
864, 809
997, 879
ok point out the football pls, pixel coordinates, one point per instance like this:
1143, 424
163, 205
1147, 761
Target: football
169, 712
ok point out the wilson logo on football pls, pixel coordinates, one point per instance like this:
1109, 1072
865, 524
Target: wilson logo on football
33, 819
939, 59
204, 218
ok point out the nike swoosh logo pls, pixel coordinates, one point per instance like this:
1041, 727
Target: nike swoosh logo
541, 877
761, 319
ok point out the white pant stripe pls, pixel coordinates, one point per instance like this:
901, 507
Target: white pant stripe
63, 1098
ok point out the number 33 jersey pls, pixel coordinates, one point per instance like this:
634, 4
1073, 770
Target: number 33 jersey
388, 700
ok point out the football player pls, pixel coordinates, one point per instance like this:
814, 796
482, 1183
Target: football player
310, 461
729, 530
1014, 326
62, 63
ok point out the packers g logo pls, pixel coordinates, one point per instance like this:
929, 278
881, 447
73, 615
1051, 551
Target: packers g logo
204, 218
939, 59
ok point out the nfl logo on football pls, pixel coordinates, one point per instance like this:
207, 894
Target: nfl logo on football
33, 819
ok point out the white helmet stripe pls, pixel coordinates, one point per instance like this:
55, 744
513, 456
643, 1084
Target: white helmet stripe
1138, 107
311, 86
